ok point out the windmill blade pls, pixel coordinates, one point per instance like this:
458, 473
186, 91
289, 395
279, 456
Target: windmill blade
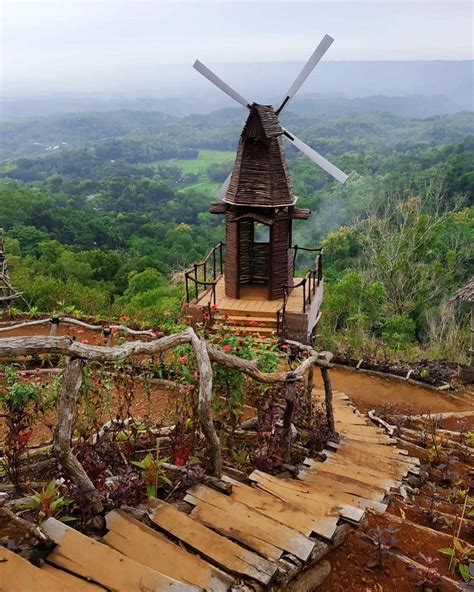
223, 190
204, 70
306, 71
316, 157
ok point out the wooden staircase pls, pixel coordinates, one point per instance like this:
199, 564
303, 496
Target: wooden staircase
250, 539
261, 324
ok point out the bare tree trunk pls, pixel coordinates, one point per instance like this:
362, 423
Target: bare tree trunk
287, 419
204, 403
309, 393
72, 381
328, 401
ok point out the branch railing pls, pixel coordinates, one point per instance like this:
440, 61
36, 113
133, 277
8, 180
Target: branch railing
56, 321
310, 283
76, 353
205, 274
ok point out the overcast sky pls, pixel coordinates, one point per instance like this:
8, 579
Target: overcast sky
64, 45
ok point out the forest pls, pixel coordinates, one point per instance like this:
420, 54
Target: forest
104, 211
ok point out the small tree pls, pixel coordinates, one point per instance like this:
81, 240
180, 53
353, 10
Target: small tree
400, 244
20, 403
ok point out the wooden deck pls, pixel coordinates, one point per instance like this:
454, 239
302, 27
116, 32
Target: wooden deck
254, 312
246, 536
253, 300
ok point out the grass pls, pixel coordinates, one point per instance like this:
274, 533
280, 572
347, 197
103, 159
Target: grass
199, 165
209, 186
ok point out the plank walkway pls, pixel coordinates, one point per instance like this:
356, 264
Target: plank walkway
243, 536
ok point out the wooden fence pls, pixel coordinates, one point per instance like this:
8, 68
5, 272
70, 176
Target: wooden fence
76, 353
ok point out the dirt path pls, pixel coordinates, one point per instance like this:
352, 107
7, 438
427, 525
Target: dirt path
369, 392
84, 335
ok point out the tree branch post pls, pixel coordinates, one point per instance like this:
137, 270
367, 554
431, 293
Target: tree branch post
328, 401
288, 416
309, 393
72, 382
204, 403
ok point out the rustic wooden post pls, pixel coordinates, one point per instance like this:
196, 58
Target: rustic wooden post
54, 326
204, 403
186, 285
196, 291
72, 381
107, 333
288, 415
328, 400
309, 393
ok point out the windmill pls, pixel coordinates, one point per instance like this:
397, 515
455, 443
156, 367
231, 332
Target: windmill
313, 61
258, 191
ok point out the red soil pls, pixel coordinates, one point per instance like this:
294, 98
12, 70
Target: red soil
369, 391
349, 562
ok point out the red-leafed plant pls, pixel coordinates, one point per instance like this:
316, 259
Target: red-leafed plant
20, 405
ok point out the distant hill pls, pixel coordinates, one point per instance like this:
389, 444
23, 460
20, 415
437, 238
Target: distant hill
146, 136
410, 88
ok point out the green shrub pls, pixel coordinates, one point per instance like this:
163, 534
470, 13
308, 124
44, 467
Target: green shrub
399, 331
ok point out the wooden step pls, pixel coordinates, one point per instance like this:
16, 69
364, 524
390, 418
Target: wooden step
212, 545
248, 321
85, 557
325, 515
358, 473
145, 545
364, 458
271, 506
344, 484
247, 313
340, 493
19, 575
72, 583
241, 522
306, 496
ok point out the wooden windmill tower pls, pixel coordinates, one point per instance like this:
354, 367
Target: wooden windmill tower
259, 204
259, 207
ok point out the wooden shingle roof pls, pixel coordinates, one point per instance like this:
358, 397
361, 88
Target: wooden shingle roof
268, 120
260, 176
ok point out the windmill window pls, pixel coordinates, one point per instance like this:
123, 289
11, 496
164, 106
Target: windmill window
261, 233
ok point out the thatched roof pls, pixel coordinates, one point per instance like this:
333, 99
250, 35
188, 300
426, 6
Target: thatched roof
466, 294
268, 120
260, 176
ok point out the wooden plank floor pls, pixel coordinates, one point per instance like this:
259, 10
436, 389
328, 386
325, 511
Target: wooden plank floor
147, 546
18, 575
253, 300
245, 534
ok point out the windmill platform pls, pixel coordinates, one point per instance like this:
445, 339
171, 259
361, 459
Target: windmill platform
291, 317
